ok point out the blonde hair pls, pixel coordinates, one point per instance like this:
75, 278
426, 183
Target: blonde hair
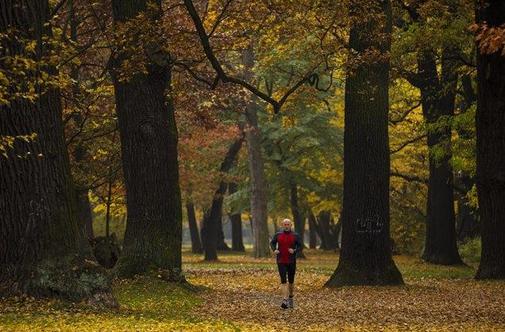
287, 220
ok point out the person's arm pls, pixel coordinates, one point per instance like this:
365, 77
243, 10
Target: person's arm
273, 242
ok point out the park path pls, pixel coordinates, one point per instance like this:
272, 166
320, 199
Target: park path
249, 298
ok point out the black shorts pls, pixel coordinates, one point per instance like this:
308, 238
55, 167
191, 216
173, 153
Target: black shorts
287, 269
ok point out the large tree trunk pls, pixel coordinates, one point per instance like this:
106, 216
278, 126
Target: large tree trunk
196, 244
258, 184
149, 153
212, 218
365, 257
258, 195
42, 247
491, 148
438, 97
237, 239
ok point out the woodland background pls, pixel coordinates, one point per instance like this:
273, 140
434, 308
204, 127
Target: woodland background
139, 136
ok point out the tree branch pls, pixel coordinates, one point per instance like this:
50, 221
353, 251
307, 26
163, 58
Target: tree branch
57, 8
413, 78
195, 75
219, 18
406, 143
404, 114
225, 78
409, 178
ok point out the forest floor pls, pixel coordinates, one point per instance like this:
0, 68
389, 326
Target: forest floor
241, 293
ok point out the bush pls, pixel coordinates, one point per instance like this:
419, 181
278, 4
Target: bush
470, 251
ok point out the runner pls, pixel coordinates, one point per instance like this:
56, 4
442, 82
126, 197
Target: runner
285, 245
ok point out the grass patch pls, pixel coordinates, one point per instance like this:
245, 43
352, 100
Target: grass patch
146, 304
414, 269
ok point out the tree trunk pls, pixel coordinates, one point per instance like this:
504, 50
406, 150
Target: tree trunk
84, 214
237, 239
221, 243
108, 204
467, 226
325, 231
298, 219
467, 219
212, 218
438, 93
258, 195
42, 248
84, 207
196, 244
365, 257
258, 184
490, 148
312, 231
438, 97
148, 134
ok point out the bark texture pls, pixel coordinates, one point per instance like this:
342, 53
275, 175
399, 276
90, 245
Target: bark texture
490, 148
148, 134
365, 256
42, 248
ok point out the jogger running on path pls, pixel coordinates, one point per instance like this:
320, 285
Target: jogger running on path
285, 245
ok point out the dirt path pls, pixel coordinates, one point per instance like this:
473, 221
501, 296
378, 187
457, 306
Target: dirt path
250, 298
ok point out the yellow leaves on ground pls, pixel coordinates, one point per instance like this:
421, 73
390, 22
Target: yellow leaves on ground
242, 293
250, 297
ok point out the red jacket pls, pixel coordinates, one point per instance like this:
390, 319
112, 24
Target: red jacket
282, 241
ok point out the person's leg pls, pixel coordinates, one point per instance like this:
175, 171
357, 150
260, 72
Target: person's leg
291, 270
285, 291
283, 270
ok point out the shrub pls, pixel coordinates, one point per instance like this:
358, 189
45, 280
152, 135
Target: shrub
470, 250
